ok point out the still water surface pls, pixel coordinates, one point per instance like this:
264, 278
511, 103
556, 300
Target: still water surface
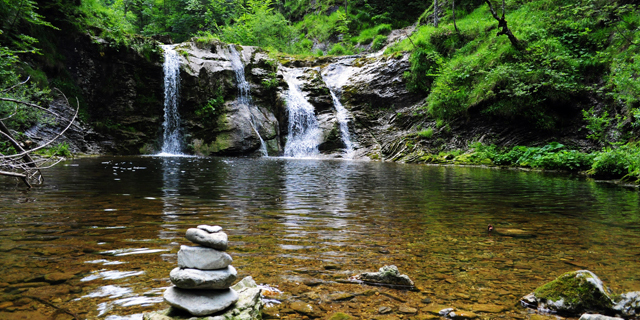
110, 228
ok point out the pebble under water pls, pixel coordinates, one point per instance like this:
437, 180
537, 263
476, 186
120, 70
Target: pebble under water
99, 239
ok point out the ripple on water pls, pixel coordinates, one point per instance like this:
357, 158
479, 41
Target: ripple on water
111, 275
130, 251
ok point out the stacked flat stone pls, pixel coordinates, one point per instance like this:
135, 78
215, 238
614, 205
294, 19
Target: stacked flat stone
204, 274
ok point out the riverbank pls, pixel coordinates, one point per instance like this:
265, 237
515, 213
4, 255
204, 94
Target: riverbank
620, 165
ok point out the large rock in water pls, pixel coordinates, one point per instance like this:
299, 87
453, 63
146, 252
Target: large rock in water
572, 293
202, 258
200, 302
216, 240
203, 279
387, 275
248, 307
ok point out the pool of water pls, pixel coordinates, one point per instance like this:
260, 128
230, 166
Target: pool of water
99, 238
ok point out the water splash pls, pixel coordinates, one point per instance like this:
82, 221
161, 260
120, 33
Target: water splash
244, 94
304, 131
172, 136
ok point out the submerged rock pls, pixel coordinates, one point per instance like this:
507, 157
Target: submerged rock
200, 302
202, 258
572, 294
203, 279
216, 240
386, 275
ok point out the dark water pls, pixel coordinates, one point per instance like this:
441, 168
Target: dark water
110, 228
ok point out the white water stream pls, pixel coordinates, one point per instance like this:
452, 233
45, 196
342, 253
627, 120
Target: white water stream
244, 94
304, 132
172, 135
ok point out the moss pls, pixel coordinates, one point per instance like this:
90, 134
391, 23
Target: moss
340, 316
577, 292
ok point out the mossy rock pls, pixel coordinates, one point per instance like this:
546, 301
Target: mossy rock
574, 293
340, 316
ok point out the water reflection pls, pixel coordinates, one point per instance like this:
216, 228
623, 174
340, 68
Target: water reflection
290, 221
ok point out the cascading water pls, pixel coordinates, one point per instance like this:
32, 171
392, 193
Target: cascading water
244, 94
335, 76
343, 120
304, 132
172, 137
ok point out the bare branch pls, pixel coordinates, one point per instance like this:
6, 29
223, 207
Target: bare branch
15, 86
31, 105
13, 174
75, 115
493, 12
15, 110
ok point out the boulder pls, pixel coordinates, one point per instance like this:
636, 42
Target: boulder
217, 240
210, 229
202, 258
200, 302
628, 304
203, 279
386, 275
572, 293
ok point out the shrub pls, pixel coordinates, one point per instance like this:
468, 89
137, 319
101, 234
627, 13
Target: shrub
337, 50
379, 42
428, 133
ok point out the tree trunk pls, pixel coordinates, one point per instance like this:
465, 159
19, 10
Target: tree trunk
453, 11
502, 23
435, 13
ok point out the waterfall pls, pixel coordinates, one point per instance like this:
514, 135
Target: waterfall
343, 120
244, 94
304, 132
335, 76
172, 137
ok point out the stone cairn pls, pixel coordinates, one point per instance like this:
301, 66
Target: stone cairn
204, 274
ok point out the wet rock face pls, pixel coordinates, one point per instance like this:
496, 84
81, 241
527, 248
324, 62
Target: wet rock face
571, 294
210, 106
121, 92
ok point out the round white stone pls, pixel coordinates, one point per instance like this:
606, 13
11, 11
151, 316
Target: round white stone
216, 240
200, 302
202, 258
203, 279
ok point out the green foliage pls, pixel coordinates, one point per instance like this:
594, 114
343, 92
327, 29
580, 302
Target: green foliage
622, 162
213, 107
425, 68
596, 124
59, 150
379, 42
338, 50
427, 133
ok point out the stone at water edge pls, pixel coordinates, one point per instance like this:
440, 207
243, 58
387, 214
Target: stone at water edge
210, 229
248, 307
200, 302
218, 240
203, 258
628, 304
571, 294
203, 279
387, 275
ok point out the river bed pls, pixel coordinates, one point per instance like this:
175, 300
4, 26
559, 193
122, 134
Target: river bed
99, 238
